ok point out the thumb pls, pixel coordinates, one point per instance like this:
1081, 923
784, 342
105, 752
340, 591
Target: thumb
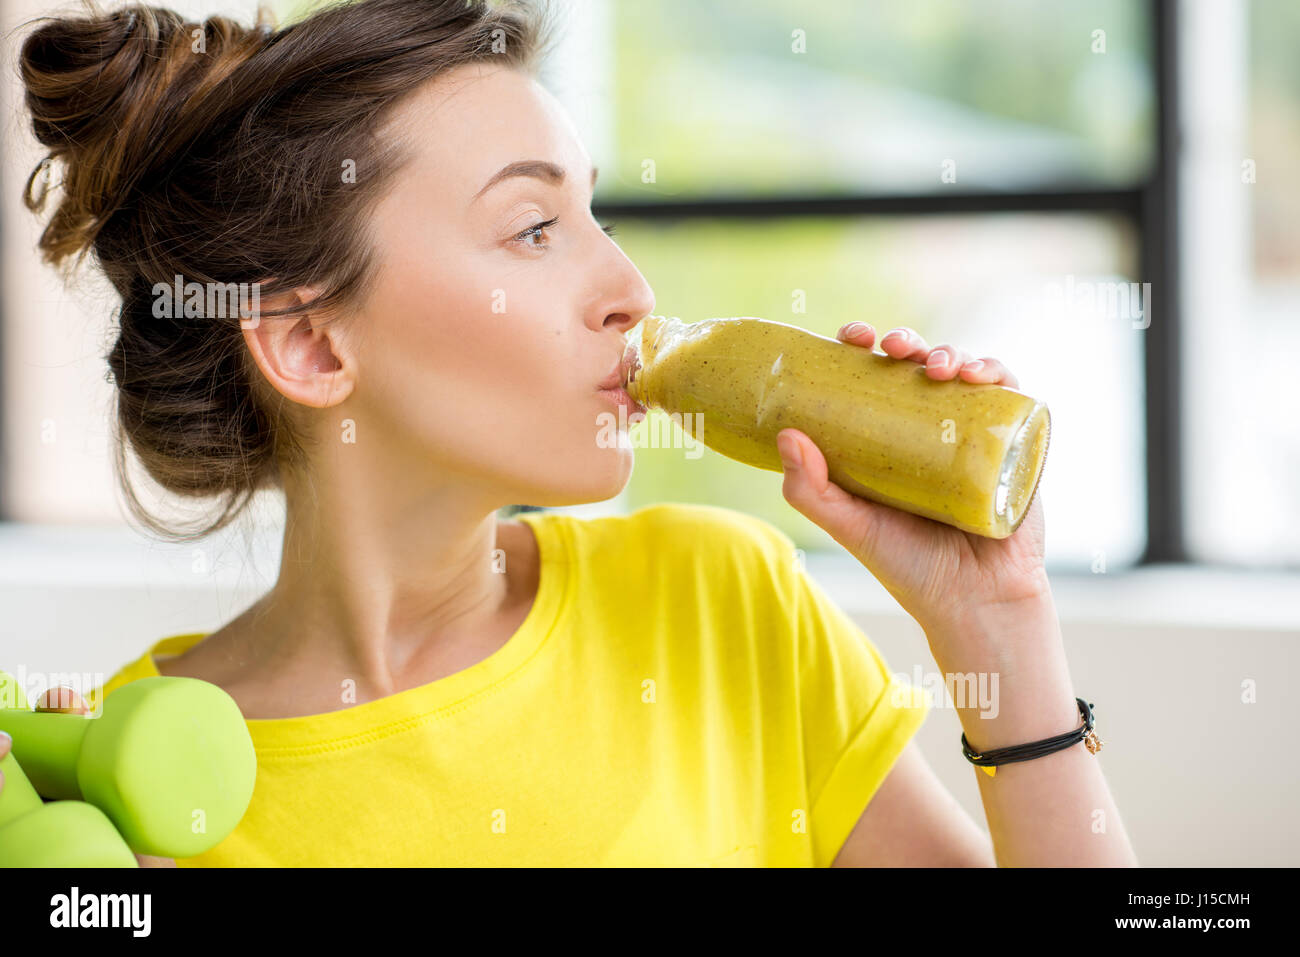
62, 700
850, 520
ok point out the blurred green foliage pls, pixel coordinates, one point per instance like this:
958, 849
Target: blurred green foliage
1274, 35
1274, 136
715, 95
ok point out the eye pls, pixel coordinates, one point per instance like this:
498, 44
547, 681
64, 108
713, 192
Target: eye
536, 230
608, 230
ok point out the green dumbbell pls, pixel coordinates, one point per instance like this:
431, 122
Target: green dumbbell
58, 834
168, 760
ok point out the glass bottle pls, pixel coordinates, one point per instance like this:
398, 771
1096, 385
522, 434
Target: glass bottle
965, 454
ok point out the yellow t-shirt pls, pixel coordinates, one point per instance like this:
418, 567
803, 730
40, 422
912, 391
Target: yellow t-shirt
681, 693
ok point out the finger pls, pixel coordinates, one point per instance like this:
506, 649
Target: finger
6, 743
988, 369
62, 700
944, 362
858, 334
905, 343
809, 489
146, 860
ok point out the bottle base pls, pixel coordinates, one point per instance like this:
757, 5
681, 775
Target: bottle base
1021, 470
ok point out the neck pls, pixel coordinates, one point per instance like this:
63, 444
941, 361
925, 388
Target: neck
380, 585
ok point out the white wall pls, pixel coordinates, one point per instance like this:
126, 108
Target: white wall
1200, 778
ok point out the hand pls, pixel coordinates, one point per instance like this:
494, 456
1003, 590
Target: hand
64, 700
942, 576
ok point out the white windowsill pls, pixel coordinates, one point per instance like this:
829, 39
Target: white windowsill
1193, 596
61, 556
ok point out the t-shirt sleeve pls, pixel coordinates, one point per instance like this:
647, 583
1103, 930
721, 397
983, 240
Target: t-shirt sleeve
857, 716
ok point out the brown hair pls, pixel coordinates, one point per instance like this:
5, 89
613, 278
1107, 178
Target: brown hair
216, 152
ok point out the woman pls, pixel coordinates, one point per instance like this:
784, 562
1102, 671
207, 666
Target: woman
438, 315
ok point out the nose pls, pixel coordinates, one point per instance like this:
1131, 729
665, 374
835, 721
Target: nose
628, 297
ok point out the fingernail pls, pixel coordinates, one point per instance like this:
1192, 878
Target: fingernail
854, 329
5, 740
937, 358
975, 365
791, 457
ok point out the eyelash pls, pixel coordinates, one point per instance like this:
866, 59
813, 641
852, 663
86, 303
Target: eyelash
536, 230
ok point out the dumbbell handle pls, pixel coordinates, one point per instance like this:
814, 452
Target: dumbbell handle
51, 746
19, 795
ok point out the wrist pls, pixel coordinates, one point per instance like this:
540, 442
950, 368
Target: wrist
1011, 596
1006, 635
1015, 650
1023, 706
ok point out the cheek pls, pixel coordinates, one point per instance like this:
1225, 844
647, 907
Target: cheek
484, 373
438, 362
441, 339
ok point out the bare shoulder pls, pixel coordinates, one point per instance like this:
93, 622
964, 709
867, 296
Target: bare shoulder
204, 659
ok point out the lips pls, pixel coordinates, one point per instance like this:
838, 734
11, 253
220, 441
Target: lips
622, 372
630, 365
614, 380
612, 386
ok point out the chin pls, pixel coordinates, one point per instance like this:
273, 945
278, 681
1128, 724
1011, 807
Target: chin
608, 475
592, 480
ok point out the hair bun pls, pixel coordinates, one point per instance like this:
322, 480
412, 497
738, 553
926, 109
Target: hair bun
107, 95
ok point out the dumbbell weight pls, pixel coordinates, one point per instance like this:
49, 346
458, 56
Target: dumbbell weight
169, 760
58, 834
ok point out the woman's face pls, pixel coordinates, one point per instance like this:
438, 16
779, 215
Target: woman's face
480, 350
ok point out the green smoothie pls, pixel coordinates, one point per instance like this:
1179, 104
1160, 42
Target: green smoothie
965, 454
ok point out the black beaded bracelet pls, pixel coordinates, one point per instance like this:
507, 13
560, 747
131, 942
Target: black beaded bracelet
989, 760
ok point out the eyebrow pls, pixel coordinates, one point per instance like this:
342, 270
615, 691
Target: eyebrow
538, 169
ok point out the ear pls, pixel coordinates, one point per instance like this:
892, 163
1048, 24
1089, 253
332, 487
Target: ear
304, 356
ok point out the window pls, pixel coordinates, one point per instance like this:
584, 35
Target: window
1241, 294
932, 273
754, 99
966, 169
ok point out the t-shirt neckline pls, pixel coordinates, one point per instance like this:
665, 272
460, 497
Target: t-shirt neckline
371, 720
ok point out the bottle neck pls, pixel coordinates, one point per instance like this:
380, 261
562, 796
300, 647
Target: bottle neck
634, 373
